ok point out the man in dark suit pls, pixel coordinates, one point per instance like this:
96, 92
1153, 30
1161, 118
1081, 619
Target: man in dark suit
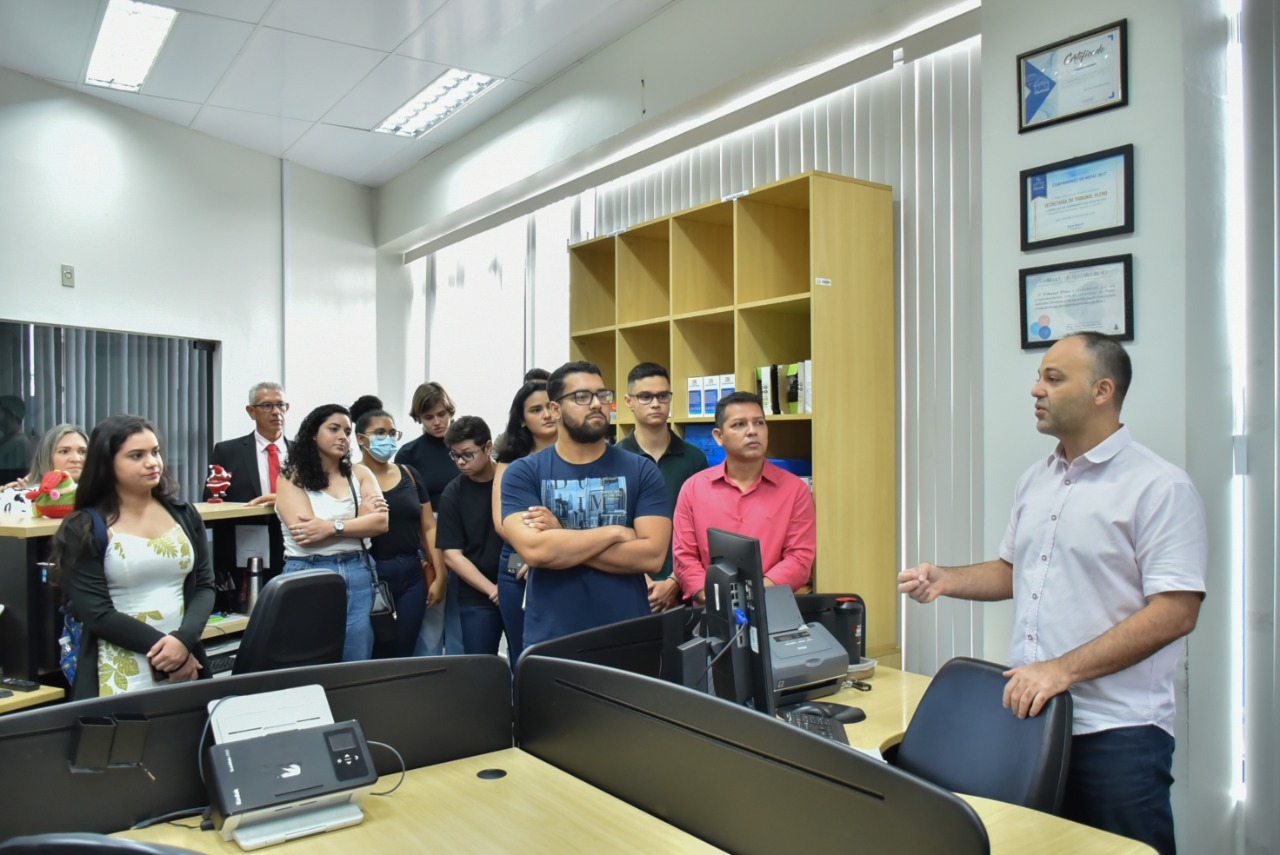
254, 461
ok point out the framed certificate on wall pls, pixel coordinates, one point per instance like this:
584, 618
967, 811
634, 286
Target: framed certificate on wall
1095, 295
1078, 199
1079, 75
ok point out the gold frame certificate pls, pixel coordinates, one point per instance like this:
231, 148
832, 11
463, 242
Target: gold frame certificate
1078, 199
1095, 295
1079, 75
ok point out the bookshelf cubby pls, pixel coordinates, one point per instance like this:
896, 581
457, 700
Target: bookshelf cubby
799, 269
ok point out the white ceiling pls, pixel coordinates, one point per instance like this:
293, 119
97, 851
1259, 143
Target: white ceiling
307, 80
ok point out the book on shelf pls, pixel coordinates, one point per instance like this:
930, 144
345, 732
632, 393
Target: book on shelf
727, 383
710, 394
793, 388
695, 396
766, 383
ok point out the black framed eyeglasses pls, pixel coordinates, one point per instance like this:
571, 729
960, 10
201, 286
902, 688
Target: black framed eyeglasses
466, 456
382, 434
647, 398
269, 406
583, 397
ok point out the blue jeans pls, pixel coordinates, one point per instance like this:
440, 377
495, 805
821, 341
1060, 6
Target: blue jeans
431, 636
351, 567
403, 574
511, 602
453, 644
1119, 781
481, 627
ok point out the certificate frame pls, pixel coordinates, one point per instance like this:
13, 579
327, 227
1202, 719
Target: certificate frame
1095, 295
1078, 76
1080, 199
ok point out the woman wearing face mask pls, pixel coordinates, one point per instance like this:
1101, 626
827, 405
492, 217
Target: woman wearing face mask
400, 555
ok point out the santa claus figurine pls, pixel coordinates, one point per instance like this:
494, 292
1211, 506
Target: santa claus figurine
219, 481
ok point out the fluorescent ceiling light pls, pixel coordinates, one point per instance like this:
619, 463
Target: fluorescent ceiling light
446, 95
128, 42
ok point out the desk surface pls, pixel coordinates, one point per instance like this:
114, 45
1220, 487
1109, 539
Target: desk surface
535, 808
538, 808
23, 700
20, 526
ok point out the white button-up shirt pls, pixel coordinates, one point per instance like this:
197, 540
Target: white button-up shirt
1089, 541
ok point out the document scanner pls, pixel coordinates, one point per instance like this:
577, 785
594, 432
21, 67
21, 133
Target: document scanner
288, 783
807, 660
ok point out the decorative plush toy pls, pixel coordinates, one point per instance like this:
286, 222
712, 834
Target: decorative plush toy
55, 497
219, 481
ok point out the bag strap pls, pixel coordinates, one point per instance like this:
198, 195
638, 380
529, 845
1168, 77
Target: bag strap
99, 530
355, 502
409, 472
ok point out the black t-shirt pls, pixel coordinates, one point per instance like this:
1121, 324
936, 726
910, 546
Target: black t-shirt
466, 523
429, 457
404, 506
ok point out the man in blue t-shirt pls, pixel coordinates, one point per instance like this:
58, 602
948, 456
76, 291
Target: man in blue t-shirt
589, 520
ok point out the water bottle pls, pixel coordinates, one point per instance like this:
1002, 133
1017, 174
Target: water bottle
850, 615
254, 576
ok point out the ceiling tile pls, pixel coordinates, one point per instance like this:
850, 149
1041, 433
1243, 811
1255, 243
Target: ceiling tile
270, 134
290, 75
48, 38
381, 25
591, 33
390, 85
197, 54
250, 11
498, 36
178, 112
397, 163
344, 151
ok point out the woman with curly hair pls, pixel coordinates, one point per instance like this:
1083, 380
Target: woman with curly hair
145, 600
327, 506
530, 428
62, 447
400, 555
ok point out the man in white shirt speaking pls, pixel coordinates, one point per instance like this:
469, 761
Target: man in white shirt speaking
1104, 558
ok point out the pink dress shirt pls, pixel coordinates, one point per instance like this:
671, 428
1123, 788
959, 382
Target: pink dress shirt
777, 510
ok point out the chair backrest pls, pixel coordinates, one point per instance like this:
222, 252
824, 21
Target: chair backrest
300, 619
78, 843
962, 738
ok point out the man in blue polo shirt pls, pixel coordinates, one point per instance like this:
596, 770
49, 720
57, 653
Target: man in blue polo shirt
589, 520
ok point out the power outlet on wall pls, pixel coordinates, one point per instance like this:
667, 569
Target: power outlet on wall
68, 276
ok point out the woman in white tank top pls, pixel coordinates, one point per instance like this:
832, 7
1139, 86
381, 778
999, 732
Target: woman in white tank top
324, 520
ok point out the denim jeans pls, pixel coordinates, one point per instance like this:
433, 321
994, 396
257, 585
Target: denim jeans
351, 567
1119, 781
403, 574
453, 645
511, 602
431, 637
481, 627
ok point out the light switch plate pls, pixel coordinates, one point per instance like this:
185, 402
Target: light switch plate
68, 276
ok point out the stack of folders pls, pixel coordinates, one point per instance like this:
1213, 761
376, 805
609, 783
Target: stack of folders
706, 390
786, 388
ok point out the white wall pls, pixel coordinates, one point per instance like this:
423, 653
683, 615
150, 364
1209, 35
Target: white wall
330, 278
171, 232
1179, 404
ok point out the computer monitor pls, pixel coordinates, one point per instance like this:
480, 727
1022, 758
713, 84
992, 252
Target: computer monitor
736, 628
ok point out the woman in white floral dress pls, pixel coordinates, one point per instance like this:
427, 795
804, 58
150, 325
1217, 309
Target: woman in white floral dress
146, 601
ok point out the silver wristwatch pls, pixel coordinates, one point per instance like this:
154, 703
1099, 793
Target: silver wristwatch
338, 527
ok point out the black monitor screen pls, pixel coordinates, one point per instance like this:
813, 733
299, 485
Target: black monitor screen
737, 629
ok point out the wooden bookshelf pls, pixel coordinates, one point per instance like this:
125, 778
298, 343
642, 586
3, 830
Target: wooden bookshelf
798, 269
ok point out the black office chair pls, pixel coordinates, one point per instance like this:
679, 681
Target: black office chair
962, 738
77, 843
300, 619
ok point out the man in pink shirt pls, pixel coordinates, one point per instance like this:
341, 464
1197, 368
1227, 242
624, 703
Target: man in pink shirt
748, 495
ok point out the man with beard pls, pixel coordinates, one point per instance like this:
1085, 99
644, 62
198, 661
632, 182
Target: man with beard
590, 520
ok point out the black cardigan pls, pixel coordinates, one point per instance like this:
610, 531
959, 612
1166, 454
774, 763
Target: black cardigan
85, 579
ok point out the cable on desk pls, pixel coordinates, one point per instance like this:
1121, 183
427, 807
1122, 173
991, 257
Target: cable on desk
170, 817
402, 768
205, 732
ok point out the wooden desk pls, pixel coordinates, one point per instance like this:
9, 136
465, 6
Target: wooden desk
229, 625
23, 700
446, 808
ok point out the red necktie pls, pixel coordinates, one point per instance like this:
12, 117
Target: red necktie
273, 465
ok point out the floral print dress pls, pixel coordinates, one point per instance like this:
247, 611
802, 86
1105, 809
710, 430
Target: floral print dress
145, 577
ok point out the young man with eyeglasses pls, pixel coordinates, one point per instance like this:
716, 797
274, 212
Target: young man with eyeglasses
649, 398
749, 495
254, 461
588, 518
466, 536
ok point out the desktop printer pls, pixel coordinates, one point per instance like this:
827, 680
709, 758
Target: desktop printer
287, 782
807, 660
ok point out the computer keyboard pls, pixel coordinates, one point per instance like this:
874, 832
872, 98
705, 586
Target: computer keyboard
221, 664
820, 725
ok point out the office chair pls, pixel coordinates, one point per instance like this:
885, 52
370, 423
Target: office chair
300, 619
77, 843
962, 738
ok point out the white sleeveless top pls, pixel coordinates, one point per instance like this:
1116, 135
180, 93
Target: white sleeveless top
325, 507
